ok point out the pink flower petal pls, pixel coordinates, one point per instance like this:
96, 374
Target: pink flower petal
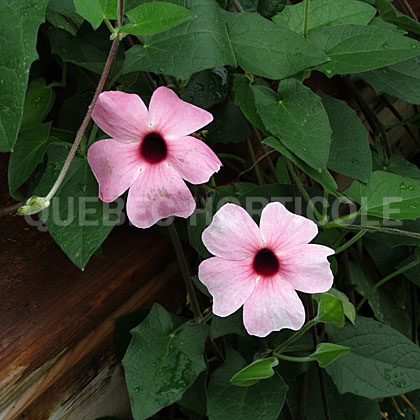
230, 283
193, 159
159, 192
123, 116
115, 165
307, 269
273, 305
281, 229
232, 234
174, 118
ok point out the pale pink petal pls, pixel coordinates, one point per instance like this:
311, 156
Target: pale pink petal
193, 159
281, 229
159, 192
115, 165
123, 116
232, 234
273, 305
172, 117
307, 268
230, 283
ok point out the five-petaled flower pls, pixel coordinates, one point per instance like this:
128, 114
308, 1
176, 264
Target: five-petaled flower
151, 154
262, 267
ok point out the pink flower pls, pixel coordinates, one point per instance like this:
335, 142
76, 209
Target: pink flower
151, 154
261, 268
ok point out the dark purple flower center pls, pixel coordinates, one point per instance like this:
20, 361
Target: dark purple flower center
153, 148
266, 263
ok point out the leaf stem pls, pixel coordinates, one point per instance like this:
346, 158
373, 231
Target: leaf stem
301, 188
306, 19
185, 270
350, 242
293, 358
385, 279
296, 335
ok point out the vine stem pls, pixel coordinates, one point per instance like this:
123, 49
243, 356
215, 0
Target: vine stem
185, 270
392, 231
409, 9
237, 6
88, 115
385, 279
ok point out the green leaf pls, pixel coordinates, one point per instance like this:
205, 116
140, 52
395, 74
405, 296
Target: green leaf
384, 307
397, 164
330, 310
253, 373
77, 219
326, 13
229, 125
350, 152
262, 401
244, 98
88, 50
323, 177
340, 406
348, 307
358, 48
388, 196
195, 397
123, 325
162, 361
62, 14
297, 117
406, 72
381, 363
95, 11
207, 88
19, 22
175, 52
152, 18
390, 14
268, 8
231, 324
326, 353
269, 50
29, 151
39, 100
